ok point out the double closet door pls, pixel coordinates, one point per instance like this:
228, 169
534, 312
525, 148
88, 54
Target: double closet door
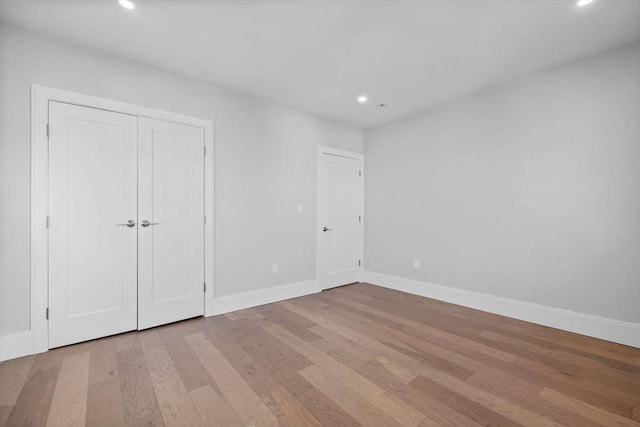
126, 223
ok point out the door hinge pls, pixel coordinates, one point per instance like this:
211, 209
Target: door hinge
47, 313
205, 287
359, 218
360, 173
204, 219
359, 263
48, 129
48, 221
205, 150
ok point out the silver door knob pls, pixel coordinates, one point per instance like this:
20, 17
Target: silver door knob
146, 223
325, 229
130, 223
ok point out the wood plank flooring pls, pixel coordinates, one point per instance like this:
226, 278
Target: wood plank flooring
356, 355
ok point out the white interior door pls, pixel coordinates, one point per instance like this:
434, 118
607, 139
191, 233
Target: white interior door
92, 192
340, 215
171, 201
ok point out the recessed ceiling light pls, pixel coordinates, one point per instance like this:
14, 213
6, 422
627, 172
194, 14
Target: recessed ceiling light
127, 4
584, 2
362, 99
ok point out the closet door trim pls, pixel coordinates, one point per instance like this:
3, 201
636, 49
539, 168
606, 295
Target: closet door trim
37, 336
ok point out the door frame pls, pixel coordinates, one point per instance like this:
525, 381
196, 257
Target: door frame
322, 150
40, 97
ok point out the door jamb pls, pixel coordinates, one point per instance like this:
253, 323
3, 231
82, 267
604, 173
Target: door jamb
40, 97
319, 259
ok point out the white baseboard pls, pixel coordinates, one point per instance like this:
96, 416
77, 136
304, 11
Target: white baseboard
250, 299
21, 343
16, 345
598, 327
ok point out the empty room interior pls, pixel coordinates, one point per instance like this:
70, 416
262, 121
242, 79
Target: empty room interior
320, 213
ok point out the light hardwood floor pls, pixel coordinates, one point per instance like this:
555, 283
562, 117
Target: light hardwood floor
356, 355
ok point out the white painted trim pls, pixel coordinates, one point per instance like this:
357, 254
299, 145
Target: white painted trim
598, 327
342, 153
250, 299
209, 230
16, 345
40, 97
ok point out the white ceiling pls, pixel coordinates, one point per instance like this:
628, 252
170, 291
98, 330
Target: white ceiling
318, 56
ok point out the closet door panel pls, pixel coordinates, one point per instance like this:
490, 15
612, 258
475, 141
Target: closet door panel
92, 194
171, 218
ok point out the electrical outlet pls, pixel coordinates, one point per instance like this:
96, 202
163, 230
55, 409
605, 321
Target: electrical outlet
416, 263
275, 268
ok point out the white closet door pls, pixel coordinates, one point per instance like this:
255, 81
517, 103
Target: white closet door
171, 201
340, 210
92, 191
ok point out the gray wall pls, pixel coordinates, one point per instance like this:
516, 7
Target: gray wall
529, 191
265, 164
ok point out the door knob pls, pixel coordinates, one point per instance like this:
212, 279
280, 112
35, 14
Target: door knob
325, 229
146, 223
130, 223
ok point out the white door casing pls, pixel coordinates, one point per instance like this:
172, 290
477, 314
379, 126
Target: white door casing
36, 338
340, 216
92, 189
171, 200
